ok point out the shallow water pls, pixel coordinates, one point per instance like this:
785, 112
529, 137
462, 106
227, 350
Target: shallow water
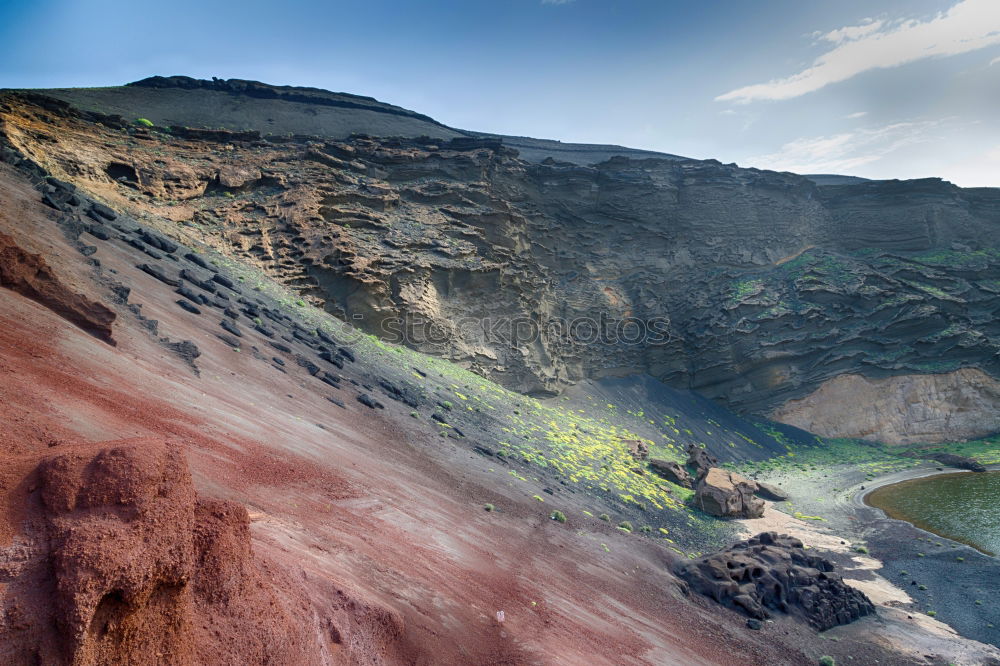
964, 506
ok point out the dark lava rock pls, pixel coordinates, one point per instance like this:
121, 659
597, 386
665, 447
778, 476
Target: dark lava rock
224, 281
368, 401
310, 367
159, 274
957, 461
100, 210
700, 459
159, 242
191, 295
231, 327
771, 492
185, 349
139, 245
99, 231
671, 471
775, 573
404, 394
332, 380
199, 261
755, 624
279, 361
228, 339
88, 250
330, 357
280, 347
728, 495
346, 353
187, 305
339, 403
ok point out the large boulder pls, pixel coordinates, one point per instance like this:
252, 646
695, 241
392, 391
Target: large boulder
727, 495
775, 573
671, 471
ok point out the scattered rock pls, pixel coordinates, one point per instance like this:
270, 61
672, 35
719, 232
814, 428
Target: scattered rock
231, 327
369, 401
637, 448
159, 274
770, 492
672, 471
700, 460
188, 305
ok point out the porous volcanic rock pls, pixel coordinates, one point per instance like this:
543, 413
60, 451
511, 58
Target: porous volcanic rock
775, 573
728, 495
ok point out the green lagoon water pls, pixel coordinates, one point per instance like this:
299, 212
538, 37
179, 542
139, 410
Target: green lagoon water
964, 506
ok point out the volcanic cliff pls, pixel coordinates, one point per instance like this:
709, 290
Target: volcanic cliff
200, 467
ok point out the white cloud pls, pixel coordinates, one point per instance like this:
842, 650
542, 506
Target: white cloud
857, 114
994, 61
967, 26
852, 32
840, 153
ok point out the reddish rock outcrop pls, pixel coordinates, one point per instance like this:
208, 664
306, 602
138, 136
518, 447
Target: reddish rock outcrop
130, 566
30, 276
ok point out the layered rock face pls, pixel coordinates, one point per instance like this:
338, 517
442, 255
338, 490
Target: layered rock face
751, 287
900, 410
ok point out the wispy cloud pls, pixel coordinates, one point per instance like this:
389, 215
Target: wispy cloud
856, 114
556, 2
844, 152
967, 26
994, 61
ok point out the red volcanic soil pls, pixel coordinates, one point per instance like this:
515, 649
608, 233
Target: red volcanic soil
149, 514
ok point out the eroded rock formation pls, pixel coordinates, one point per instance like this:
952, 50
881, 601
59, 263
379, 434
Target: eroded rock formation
772, 572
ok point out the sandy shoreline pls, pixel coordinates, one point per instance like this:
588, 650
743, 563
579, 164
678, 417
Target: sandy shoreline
908, 572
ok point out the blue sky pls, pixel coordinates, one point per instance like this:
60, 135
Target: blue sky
880, 88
